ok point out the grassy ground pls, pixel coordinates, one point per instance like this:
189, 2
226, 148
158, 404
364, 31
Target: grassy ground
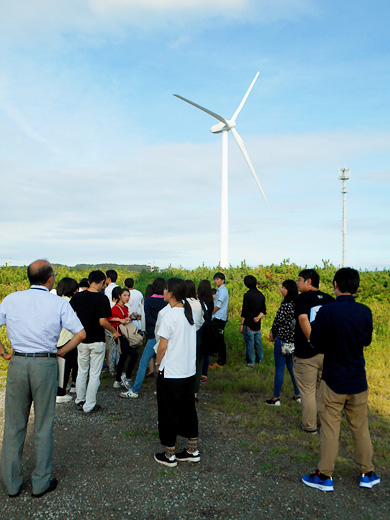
240, 393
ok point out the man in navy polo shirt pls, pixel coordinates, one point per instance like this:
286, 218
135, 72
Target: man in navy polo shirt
341, 331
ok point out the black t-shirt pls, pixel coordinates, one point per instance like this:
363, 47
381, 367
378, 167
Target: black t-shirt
253, 303
308, 303
90, 307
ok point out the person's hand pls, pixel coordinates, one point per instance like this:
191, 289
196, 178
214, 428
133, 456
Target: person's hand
60, 353
271, 336
116, 334
8, 355
256, 320
241, 328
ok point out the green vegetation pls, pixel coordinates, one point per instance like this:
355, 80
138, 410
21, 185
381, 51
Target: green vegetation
238, 393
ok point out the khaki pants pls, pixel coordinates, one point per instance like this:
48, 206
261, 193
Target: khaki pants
308, 374
330, 408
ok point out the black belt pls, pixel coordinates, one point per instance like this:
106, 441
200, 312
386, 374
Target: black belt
38, 354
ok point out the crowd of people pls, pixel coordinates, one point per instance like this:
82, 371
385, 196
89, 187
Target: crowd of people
319, 339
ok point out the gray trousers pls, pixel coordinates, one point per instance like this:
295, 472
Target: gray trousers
29, 380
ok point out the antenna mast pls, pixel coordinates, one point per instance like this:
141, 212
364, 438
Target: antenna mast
344, 175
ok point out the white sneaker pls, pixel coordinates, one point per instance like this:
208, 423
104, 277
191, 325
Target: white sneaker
64, 398
72, 390
129, 395
127, 383
117, 384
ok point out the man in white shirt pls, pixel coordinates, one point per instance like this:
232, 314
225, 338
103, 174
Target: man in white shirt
135, 298
111, 278
34, 320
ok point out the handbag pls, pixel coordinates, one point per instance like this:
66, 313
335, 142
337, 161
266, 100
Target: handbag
287, 348
133, 335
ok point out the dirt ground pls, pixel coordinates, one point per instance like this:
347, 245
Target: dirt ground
105, 467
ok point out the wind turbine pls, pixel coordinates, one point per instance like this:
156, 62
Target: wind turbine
224, 126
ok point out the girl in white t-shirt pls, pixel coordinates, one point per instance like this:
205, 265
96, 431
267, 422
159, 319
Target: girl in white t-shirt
176, 358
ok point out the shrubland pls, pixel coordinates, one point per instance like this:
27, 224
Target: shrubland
240, 392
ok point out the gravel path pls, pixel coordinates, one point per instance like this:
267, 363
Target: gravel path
106, 470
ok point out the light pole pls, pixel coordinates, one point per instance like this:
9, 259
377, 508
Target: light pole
344, 175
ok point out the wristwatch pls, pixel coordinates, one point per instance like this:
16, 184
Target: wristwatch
4, 353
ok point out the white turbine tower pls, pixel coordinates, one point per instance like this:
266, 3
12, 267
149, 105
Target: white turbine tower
223, 127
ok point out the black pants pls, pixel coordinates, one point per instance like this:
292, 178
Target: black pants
126, 352
176, 409
219, 326
70, 365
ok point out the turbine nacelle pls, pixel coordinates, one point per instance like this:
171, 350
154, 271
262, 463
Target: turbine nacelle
220, 127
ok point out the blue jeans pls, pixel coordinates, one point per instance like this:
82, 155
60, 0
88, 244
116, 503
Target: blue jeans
253, 344
147, 355
280, 363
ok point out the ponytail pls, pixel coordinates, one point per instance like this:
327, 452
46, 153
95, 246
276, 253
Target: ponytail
178, 288
188, 312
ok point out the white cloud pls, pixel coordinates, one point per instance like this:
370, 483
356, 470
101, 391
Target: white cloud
162, 203
26, 21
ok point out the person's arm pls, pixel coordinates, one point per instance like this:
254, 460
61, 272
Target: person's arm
243, 313
320, 336
106, 325
216, 309
4, 353
304, 323
219, 299
118, 316
368, 329
242, 324
258, 317
276, 324
162, 348
76, 340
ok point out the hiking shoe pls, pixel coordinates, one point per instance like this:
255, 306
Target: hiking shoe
369, 480
203, 379
187, 456
117, 384
162, 458
273, 402
96, 408
127, 383
64, 398
318, 481
129, 395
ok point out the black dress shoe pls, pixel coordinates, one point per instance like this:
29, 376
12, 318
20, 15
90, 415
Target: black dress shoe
16, 494
52, 485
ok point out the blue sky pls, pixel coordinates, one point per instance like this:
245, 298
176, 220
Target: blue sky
100, 163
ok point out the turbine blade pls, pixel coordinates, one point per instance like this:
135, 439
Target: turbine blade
220, 118
244, 98
241, 146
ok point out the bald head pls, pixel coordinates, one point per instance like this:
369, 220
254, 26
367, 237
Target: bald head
39, 273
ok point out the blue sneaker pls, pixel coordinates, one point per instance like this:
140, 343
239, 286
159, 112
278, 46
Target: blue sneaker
315, 481
369, 480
